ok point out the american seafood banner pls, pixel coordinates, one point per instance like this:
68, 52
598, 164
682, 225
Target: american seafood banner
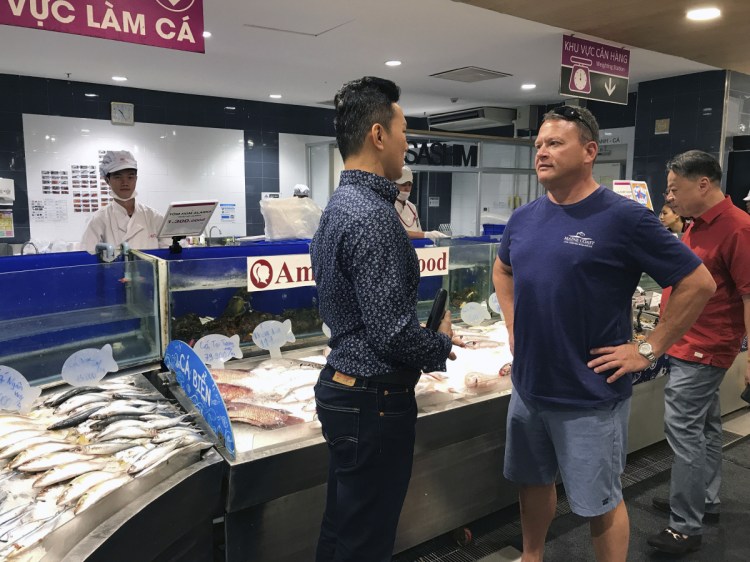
171, 24
265, 273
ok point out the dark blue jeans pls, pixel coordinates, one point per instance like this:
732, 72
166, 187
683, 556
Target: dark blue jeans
370, 429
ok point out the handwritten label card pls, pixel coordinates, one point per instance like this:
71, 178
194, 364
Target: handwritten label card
195, 379
89, 366
272, 334
16, 394
217, 349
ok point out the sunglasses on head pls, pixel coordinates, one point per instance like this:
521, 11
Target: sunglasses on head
570, 113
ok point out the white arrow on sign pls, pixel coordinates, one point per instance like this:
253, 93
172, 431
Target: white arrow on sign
610, 87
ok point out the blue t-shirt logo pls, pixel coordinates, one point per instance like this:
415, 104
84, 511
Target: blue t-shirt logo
579, 239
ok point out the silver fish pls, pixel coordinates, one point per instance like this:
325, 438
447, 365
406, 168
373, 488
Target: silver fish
19, 435
129, 455
153, 456
30, 539
148, 397
18, 426
71, 470
195, 447
12, 514
82, 400
166, 423
95, 493
52, 460
110, 447
47, 437
131, 432
77, 418
173, 433
482, 344
40, 450
55, 400
193, 439
119, 407
80, 484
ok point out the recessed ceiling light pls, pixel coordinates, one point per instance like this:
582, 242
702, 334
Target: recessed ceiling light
528, 86
119, 78
206, 34
275, 96
393, 63
90, 95
85, 131
230, 108
703, 14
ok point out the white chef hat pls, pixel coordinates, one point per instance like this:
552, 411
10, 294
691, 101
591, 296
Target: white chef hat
301, 190
116, 160
406, 175
748, 197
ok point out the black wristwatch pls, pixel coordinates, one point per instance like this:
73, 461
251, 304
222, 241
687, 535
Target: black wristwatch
645, 349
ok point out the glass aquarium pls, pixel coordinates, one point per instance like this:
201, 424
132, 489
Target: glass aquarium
207, 293
57, 304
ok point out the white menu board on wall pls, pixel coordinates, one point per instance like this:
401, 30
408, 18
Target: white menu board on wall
175, 163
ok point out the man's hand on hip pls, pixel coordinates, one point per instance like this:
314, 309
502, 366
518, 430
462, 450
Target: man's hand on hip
625, 358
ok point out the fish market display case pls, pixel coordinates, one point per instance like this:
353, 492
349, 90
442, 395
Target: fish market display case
275, 488
206, 293
55, 305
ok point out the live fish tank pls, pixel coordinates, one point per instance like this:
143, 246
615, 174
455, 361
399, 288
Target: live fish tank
470, 273
208, 290
207, 293
56, 304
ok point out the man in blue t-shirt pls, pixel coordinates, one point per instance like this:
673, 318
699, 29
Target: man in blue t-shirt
566, 269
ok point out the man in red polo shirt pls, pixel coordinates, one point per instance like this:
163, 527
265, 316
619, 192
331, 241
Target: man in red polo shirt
720, 236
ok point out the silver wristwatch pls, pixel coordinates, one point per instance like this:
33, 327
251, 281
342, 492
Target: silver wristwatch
645, 349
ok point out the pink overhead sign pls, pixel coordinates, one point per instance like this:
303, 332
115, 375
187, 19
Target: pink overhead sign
171, 24
599, 57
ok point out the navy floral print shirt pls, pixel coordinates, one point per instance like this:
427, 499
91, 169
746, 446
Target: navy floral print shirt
367, 273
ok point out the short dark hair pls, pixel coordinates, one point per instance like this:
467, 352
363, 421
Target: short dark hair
588, 127
695, 164
359, 105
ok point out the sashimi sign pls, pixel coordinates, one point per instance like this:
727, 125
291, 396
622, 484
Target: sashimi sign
171, 24
267, 273
594, 71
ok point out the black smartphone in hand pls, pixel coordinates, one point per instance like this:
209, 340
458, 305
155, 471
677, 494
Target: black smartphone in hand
746, 394
438, 310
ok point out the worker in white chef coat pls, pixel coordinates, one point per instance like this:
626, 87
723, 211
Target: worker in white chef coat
407, 212
125, 220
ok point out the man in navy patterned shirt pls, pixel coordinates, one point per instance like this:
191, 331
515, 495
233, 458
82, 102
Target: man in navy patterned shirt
367, 273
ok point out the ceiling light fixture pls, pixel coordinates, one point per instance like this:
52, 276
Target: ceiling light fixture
206, 34
393, 63
230, 108
275, 96
119, 78
85, 131
91, 95
528, 86
703, 14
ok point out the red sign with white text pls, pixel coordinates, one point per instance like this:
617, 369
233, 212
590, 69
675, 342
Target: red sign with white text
171, 24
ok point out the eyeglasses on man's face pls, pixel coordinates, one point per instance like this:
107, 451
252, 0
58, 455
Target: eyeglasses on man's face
570, 113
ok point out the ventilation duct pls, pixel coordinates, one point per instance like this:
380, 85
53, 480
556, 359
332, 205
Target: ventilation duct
471, 119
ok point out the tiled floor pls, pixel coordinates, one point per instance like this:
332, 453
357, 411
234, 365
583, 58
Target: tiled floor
737, 422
